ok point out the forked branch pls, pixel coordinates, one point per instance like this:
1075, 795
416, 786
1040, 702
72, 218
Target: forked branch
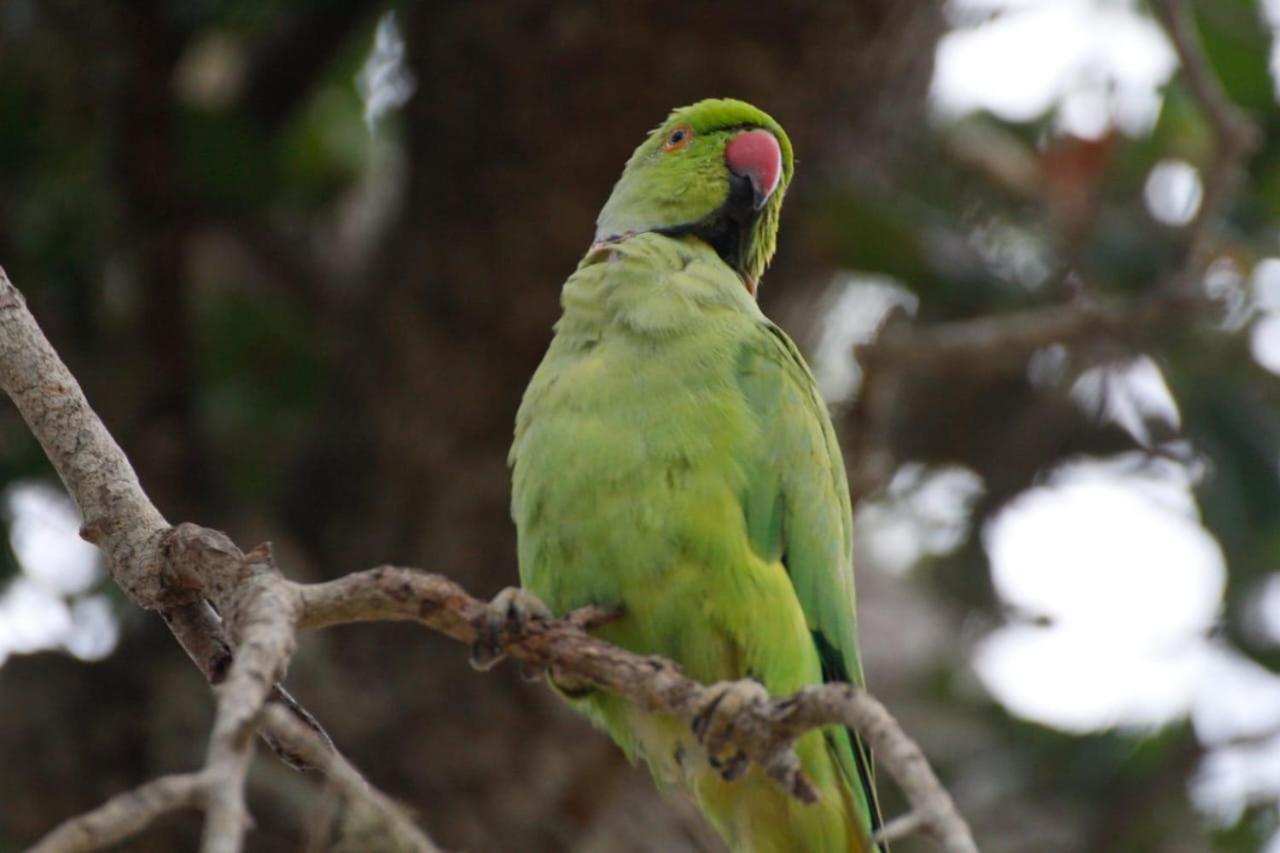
181, 570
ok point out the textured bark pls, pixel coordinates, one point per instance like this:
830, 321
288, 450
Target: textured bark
119, 517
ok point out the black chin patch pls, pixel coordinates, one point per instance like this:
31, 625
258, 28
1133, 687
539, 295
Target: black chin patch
728, 230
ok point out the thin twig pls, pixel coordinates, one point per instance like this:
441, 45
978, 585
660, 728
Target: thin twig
1235, 136
1003, 342
124, 815
900, 827
401, 833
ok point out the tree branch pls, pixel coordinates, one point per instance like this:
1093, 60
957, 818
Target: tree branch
125, 815
119, 517
178, 569
1235, 136
399, 832
1001, 344
1005, 341
764, 732
999, 341
129, 813
260, 619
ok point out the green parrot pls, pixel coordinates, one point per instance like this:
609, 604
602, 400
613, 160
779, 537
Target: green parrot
673, 460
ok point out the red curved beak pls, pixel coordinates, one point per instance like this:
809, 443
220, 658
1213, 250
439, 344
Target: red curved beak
756, 155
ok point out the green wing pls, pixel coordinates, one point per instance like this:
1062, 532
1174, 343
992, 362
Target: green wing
798, 512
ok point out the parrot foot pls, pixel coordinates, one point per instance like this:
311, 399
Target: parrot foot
509, 611
715, 721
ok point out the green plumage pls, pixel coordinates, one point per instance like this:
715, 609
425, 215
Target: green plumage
672, 458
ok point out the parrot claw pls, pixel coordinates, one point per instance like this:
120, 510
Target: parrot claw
713, 724
510, 609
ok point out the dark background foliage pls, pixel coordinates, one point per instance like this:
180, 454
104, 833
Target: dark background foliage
305, 330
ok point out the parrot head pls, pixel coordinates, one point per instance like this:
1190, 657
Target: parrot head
716, 170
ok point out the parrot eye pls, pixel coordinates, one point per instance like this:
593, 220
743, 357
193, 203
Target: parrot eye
678, 138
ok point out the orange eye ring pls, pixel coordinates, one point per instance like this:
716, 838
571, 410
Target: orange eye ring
679, 137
